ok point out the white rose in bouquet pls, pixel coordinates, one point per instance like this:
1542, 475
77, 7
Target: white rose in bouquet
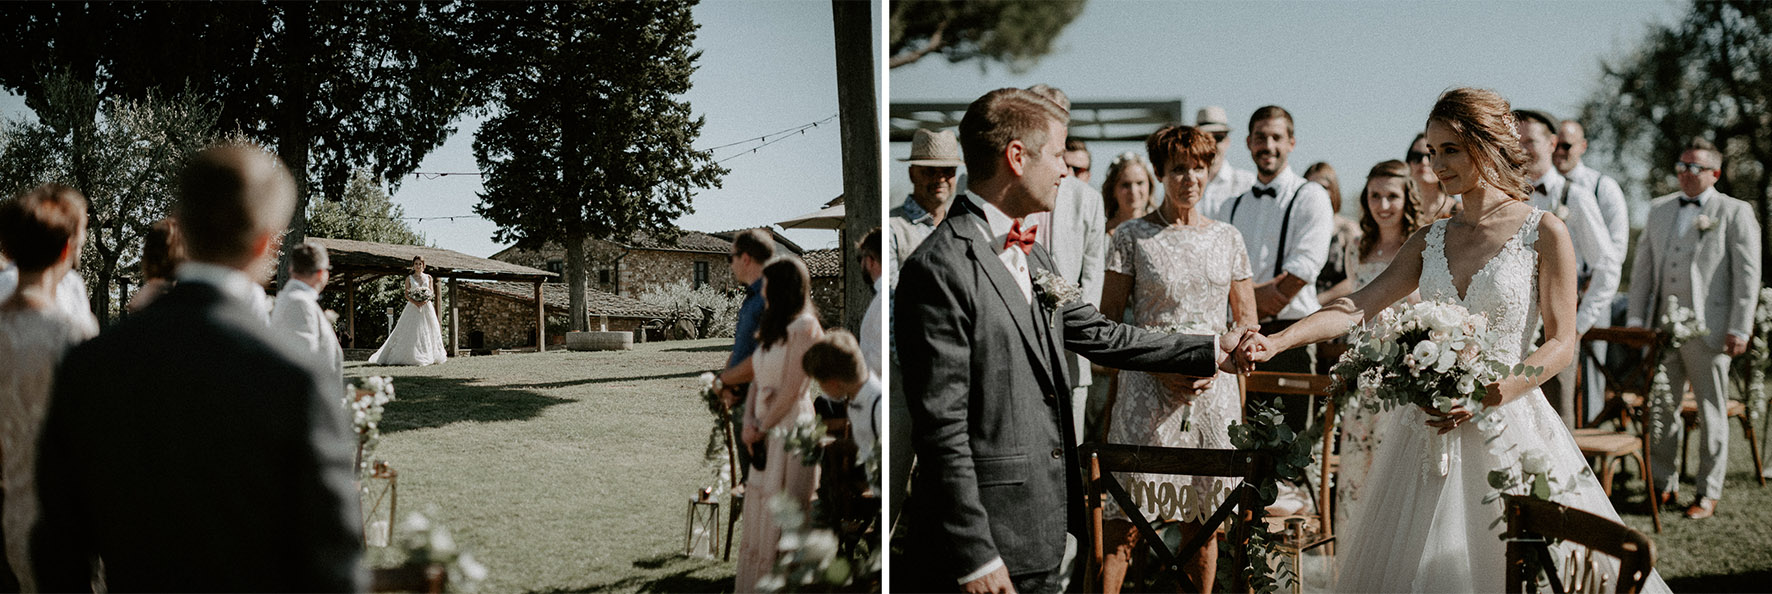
1534, 462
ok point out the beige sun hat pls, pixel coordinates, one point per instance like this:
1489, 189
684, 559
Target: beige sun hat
1211, 118
935, 149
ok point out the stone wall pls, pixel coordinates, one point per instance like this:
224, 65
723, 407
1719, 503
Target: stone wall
506, 322
644, 270
827, 296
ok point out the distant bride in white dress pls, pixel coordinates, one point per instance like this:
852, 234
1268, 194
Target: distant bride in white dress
417, 339
1422, 529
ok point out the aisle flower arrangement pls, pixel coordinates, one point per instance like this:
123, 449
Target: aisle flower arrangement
365, 402
718, 453
1678, 325
426, 541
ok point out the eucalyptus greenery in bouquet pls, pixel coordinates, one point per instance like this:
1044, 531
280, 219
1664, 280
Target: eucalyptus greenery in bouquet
804, 439
718, 454
1678, 325
811, 557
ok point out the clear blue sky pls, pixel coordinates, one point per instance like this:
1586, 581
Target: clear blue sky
765, 66
1358, 77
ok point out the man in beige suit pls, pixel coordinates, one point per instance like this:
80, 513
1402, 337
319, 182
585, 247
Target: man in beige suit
1701, 248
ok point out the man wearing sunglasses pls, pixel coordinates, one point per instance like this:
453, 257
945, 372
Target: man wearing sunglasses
1571, 145
1601, 265
1226, 182
1702, 249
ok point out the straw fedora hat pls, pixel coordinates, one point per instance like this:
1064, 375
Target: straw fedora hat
935, 149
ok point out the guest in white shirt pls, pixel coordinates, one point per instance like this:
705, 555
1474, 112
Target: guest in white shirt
1226, 182
1600, 265
70, 295
1286, 223
297, 314
873, 322
835, 362
1571, 145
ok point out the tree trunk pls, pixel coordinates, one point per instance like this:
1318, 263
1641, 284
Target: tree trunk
575, 280
858, 114
294, 137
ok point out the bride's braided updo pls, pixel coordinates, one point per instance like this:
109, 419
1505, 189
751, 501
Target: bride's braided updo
1484, 123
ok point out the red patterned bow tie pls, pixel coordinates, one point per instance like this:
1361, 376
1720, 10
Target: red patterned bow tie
1020, 238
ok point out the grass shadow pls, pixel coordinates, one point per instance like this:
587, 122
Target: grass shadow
681, 578
712, 348
607, 380
425, 402
1753, 581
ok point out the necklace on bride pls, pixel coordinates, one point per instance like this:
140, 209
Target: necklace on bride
1485, 216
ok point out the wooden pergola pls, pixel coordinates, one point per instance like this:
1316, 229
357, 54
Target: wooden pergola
355, 262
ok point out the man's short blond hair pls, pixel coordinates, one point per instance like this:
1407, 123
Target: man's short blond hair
227, 195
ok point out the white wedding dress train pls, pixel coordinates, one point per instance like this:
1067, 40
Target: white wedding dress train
1418, 530
417, 339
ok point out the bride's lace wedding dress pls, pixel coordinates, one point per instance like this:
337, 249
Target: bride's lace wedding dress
1418, 530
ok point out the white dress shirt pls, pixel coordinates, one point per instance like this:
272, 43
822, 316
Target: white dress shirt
298, 317
1610, 198
864, 419
1593, 246
233, 284
1229, 183
1686, 218
1016, 261
1307, 235
872, 323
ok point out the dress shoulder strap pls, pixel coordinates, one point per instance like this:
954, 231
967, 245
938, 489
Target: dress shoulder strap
1528, 233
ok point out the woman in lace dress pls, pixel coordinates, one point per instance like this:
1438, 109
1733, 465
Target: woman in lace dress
1390, 213
780, 397
1423, 524
1175, 271
41, 232
417, 339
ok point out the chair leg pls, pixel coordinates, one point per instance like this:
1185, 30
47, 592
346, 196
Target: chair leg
1685, 447
731, 520
1606, 461
1753, 447
1649, 485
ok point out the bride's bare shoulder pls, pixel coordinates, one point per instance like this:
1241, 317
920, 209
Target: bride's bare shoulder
1551, 228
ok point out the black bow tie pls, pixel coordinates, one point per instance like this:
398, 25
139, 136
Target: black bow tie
1265, 192
1541, 189
1685, 202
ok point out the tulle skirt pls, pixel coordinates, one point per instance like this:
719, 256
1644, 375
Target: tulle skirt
417, 339
1418, 530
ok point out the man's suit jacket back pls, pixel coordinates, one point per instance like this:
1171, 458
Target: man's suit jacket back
1722, 265
998, 473
193, 451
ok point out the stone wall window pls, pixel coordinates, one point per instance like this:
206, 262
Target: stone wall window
603, 276
556, 266
701, 274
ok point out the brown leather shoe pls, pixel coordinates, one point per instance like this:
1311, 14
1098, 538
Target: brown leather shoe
1667, 498
1703, 508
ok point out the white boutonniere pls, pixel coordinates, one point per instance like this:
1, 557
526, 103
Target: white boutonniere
1055, 291
1562, 212
331, 317
1704, 223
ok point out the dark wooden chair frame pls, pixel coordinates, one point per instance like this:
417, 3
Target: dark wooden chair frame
1530, 522
1311, 386
1617, 407
1105, 459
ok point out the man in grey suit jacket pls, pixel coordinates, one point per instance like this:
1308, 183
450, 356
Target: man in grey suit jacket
1701, 248
188, 447
997, 487
297, 315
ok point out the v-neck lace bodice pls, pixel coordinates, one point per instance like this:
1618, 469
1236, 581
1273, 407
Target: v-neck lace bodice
1505, 288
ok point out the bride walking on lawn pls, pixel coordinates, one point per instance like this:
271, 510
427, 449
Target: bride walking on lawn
417, 339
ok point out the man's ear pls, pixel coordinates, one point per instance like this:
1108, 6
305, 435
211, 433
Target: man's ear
1016, 156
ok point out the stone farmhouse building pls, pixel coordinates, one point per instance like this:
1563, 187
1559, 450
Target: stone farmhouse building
500, 315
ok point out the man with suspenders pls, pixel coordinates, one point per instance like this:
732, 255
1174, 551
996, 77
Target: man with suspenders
1286, 223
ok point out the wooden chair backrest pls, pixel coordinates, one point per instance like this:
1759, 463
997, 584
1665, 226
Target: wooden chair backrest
1251, 466
1638, 379
1528, 519
1308, 385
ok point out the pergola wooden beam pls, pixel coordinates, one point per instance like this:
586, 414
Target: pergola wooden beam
355, 262
1090, 120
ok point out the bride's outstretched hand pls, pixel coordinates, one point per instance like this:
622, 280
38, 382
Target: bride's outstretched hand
1229, 345
1449, 420
1253, 349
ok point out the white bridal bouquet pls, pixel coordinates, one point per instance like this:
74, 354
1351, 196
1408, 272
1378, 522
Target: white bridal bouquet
420, 294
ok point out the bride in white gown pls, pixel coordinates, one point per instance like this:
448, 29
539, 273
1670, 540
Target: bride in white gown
417, 339
1419, 529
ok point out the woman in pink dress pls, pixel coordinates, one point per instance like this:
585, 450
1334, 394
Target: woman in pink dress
781, 397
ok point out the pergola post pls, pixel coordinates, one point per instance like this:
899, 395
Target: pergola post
351, 309
454, 317
436, 298
541, 321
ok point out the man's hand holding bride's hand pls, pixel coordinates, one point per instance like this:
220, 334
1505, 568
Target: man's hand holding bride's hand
1253, 348
1229, 346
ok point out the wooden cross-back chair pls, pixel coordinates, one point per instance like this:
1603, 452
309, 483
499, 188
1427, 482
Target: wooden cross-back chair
1105, 459
1626, 394
1530, 522
1307, 385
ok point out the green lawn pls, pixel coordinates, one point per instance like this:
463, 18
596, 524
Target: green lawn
1731, 552
560, 471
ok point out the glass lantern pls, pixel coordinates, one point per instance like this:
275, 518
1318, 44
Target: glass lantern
380, 491
701, 531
